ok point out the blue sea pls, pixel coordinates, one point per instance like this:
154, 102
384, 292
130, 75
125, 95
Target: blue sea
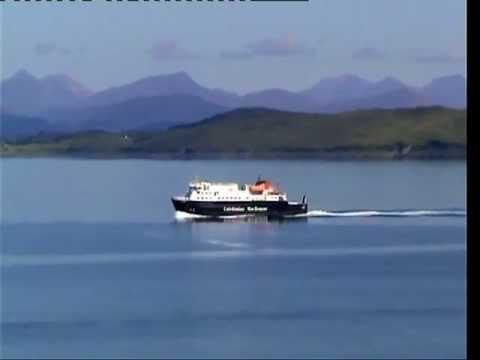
94, 263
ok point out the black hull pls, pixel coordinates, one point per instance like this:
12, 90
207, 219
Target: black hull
239, 208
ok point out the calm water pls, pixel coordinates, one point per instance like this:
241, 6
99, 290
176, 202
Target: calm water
94, 263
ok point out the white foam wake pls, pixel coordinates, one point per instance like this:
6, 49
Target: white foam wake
391, 213
228, 244
349, 213
180, 216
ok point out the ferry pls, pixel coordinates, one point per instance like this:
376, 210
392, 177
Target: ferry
226, 199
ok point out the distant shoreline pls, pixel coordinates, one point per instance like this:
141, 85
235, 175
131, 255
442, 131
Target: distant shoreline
322, 156
430, 133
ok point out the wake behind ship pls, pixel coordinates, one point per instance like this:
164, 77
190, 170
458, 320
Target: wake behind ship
218, 199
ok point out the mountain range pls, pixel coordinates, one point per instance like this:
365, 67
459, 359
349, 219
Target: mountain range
24, 94
142, 113
162, 101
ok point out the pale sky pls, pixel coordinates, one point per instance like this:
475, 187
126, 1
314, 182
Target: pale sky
238, 46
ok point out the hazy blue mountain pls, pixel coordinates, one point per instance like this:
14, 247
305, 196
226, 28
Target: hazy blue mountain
182, 83
64, 87
337, 89
156, 101
384, 86
327, 90
162, 85
398, 98
23, 93
446, 91
350, 92
156, 112
15, 126
278, 99
20, 93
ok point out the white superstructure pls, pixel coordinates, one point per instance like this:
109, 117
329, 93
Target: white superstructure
217, 191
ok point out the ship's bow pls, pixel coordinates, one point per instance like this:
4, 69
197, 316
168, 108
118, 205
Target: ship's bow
180, 204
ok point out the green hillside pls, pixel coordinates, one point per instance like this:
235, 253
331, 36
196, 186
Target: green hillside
420, 132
